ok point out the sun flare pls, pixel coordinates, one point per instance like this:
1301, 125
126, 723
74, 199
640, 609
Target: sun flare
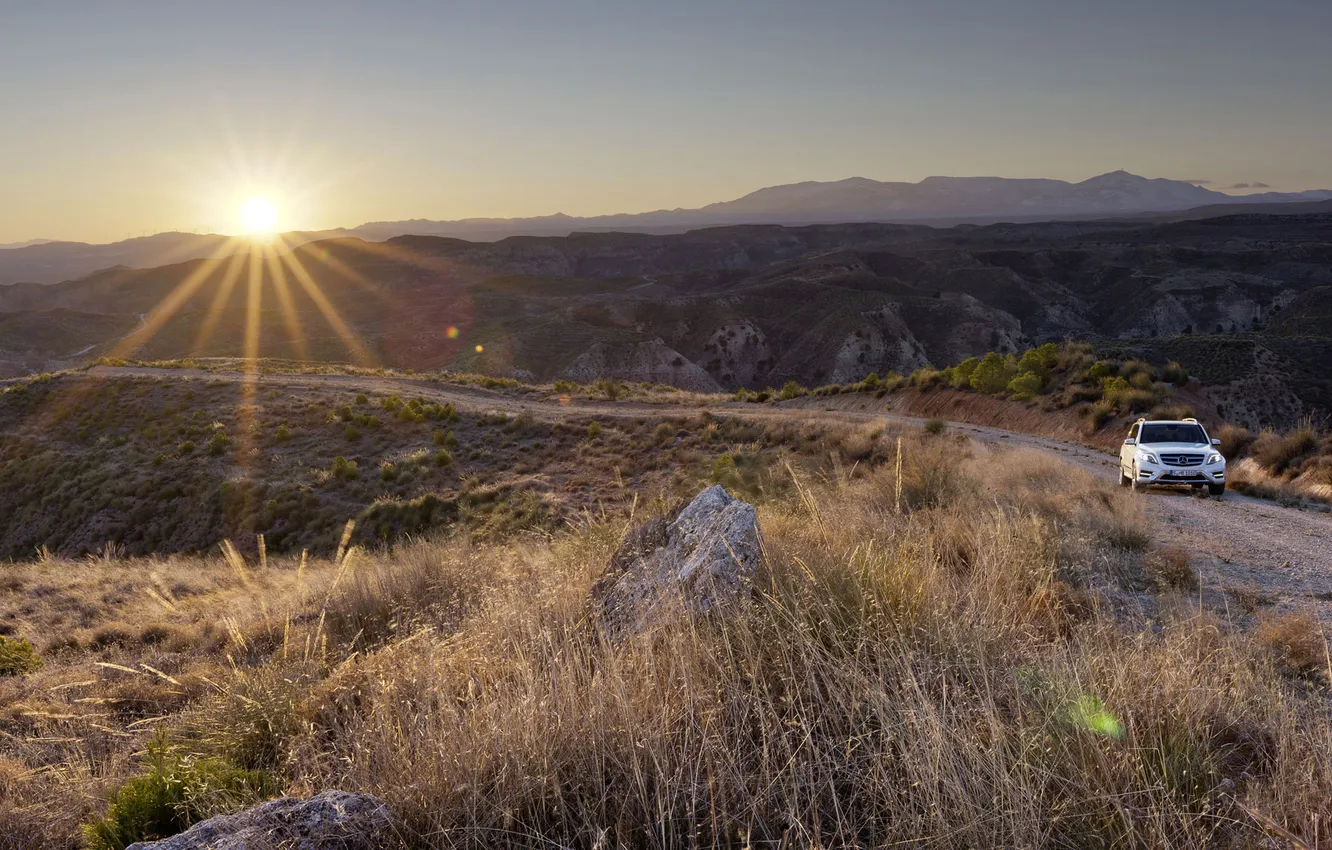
258, 215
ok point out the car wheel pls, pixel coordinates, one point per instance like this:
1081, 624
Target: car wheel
1216, 489
1124, 480
1135, 483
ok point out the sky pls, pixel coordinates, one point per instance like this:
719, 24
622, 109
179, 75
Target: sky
122, 118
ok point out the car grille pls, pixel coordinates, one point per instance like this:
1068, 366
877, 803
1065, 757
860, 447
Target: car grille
1182, 460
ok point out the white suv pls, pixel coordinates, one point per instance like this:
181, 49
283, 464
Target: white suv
1175, 453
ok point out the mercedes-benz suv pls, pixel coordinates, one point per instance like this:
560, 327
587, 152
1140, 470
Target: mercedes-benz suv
1175, 453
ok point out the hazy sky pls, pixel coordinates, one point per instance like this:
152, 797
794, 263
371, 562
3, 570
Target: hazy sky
122, 118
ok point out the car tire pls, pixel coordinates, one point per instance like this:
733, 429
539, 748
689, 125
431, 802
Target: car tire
1135, 483
1124, 480
1216, 489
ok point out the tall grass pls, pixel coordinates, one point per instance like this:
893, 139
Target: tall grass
954, 667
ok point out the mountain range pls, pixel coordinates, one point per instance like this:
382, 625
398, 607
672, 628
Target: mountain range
939, 201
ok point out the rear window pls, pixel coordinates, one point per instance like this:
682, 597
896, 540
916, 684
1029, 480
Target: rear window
1172, 432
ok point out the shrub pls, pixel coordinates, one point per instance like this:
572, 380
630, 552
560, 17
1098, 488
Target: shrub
344, 469
936, 427
351, 432
361, 399
1173, 373
17, 657
609, 388
186, 447
962, 373
1098, 371
283, 433
1100, 413
443, 458
926, 378
564, 387
1025, 386
1297, 640
593, 430
1235, 440
1033, 362
219, 443
791, 390
1280, 452
992, 374
176, 792
1169, 568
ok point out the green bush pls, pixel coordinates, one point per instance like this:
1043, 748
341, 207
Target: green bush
344, 469
564, 387
443, 458
361, 399
926, 378
1025, 387
351, 432
937, 427
176, 792
1098, 371
962, 373
219, 443
791, 390
186, 447
593, 430
1173, 373
17, 657
993, 373
283, 433
1033, 362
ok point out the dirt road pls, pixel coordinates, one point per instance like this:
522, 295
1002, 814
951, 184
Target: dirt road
1283, 554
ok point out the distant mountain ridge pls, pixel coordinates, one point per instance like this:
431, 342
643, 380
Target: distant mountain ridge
934, 200
953, 200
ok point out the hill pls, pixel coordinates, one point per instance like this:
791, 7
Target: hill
745, 307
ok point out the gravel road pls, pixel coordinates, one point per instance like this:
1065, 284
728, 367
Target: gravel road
1284, 554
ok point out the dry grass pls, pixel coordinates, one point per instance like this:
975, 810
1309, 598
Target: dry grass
939, 668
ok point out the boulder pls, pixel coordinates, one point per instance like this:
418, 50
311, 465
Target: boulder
332, 820
702, 555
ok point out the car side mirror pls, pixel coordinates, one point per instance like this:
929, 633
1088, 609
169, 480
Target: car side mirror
1130, 442
1216, 442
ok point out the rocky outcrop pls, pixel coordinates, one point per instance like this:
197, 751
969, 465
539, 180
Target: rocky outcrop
701, 557
651, 362
333, 820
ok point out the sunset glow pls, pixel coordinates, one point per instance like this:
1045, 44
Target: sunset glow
258, 216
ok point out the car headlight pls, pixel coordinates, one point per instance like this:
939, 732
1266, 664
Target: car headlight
1213, 458
1148, 456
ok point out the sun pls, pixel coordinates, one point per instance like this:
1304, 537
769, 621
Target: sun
258, 215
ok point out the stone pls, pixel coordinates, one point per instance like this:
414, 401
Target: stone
702, 555
331, 820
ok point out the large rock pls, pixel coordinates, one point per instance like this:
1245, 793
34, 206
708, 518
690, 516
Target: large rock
701, 556
332, 820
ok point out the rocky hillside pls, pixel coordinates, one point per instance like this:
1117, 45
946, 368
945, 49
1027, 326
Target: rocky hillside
1234, 299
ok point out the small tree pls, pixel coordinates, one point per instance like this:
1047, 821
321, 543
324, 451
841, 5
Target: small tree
963, 371
1025, 386
992, 374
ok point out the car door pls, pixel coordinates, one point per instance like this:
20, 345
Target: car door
1126, 450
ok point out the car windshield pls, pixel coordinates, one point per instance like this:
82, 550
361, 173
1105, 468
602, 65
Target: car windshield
1172, 432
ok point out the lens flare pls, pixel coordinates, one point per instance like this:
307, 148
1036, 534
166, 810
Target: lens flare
452, 332
480, 349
